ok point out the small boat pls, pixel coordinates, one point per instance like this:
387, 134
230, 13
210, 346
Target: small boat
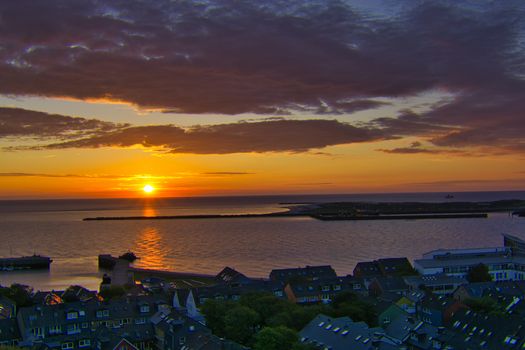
449, 196
25, 262
520, 213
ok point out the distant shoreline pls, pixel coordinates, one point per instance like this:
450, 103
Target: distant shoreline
360, 211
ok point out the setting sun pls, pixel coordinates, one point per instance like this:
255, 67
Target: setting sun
148, 188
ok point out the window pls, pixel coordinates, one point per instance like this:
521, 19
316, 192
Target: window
144, 308
182, 340
85, 325
68, 345
72, 315
82, 313
84, 343
73, 329
102, 313
337, 287
55, 329
325, 288
140, 320
37, 332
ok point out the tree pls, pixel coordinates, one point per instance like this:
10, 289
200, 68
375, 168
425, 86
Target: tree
479, 273
22, 295
214, 311
275, 338
112, 292
240, 324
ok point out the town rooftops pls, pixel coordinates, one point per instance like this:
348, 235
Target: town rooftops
229, 275
467, 261
485, 331
339, 334
383, 267
306, 273
508, 288
434, 280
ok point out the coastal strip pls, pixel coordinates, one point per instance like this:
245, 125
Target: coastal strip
321, 217
186, 217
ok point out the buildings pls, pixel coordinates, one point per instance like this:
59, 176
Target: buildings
76, 325
504, 263
322, 290
383, 267
342, 334
307, 273
441, 284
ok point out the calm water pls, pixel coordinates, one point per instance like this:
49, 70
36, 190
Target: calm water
253, 246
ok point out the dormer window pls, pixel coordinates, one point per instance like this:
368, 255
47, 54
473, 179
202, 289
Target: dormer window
102, 313
144, 308
72, 315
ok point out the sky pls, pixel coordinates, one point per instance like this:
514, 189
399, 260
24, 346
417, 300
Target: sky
223, 97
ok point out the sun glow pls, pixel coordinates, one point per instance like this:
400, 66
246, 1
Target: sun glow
148, 189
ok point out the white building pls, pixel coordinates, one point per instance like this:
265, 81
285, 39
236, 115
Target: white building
504, 263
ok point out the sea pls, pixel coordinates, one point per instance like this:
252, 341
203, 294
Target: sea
253, 246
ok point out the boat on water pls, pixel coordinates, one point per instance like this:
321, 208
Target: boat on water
25, 263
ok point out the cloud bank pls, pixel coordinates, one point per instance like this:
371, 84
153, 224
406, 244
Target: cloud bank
231, 57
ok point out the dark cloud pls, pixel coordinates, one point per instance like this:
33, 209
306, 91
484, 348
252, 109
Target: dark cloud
59, 175
25, 123
225, 56
270, 57
264, 136
418, 148
269, 135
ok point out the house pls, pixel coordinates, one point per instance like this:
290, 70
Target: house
9, 333
307, 273
7, 308
230, 291
391, 284
367, 269
231, 276
408, 302
175, 331
395, 267
391, 313
383, 267
480, 289
343, 333
438, 284
437, 310
321, 290
485, 331
412, 333
74, 325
